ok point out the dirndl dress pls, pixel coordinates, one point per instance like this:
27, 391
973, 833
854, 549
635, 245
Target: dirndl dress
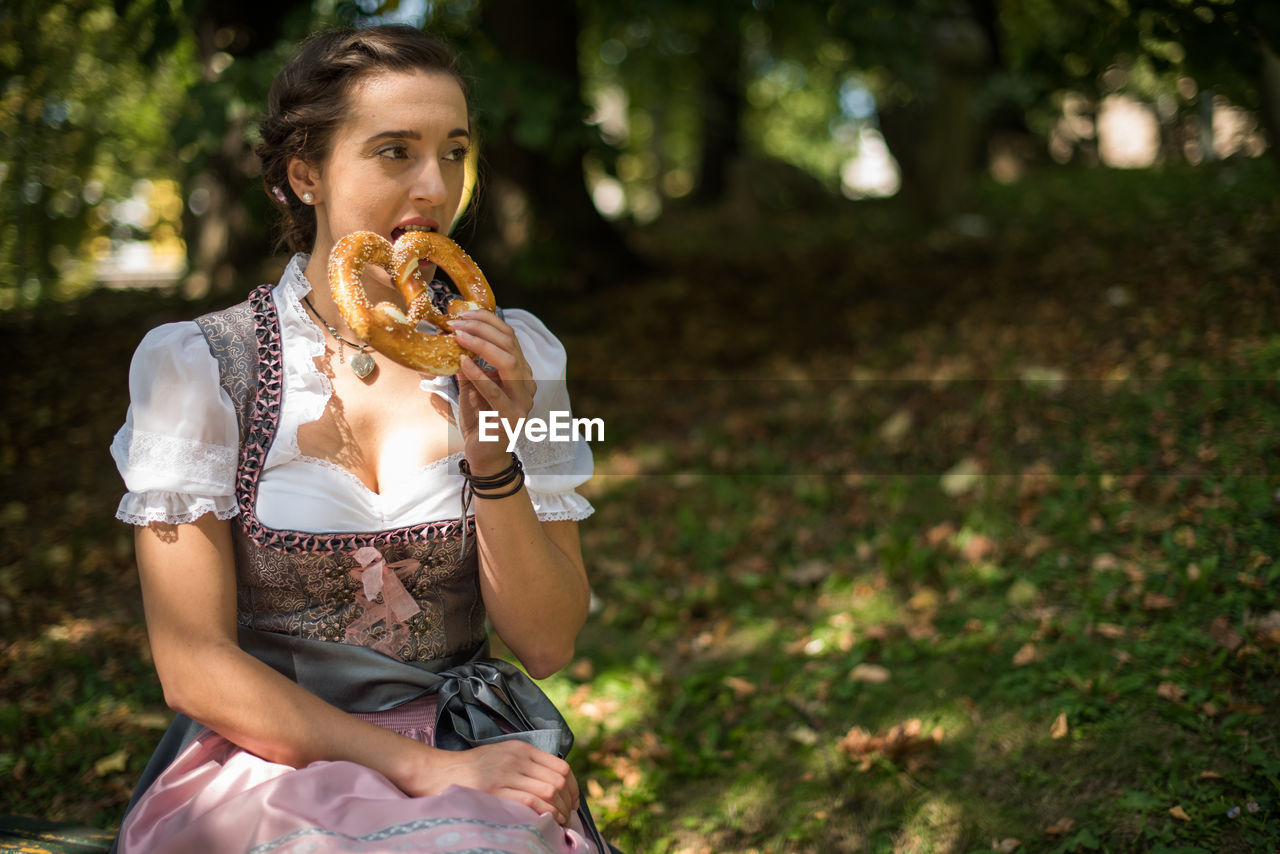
389, 626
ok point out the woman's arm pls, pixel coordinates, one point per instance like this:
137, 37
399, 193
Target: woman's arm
532, 575
188, 590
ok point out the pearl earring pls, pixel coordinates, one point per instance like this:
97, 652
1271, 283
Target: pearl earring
308, 198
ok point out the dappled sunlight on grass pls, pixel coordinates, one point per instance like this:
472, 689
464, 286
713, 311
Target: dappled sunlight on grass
980, 489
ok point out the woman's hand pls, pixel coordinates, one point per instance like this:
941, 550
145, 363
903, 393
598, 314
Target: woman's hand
510, 769
506, 389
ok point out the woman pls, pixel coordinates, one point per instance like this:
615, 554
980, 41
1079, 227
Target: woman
315, 605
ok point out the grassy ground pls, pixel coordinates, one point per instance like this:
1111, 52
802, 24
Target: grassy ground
948, 540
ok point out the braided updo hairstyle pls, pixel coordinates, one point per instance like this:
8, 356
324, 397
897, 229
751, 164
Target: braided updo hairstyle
308, 101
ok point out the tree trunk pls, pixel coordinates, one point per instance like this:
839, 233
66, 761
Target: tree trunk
539, 224
1269, 95
936, 140
721, 54
225, 247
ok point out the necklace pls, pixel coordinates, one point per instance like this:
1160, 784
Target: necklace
362, 363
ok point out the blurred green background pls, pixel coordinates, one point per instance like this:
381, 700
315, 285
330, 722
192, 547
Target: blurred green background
126, 127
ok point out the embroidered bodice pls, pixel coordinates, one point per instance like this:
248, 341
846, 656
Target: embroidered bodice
317, 555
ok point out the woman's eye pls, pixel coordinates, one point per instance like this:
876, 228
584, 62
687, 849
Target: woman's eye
393, 152
457, 154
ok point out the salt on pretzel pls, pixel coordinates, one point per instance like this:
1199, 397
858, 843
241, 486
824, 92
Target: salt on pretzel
387, 328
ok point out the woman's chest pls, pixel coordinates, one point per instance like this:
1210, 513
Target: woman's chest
381, 433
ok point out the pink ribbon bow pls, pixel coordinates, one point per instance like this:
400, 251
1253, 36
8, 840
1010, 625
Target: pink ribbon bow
397, 606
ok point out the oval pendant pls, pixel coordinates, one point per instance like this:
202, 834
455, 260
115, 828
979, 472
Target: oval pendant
362, 364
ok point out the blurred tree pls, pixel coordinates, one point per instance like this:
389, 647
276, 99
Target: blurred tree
928, 61
240, 44
720, 52
1226, 44
98, 94
1076, 45
539, 224
82, 118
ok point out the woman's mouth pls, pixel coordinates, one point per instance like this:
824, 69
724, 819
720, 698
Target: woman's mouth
399, 231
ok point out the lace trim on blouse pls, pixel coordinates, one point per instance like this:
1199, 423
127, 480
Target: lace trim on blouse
212, 465
308, 388
196, 507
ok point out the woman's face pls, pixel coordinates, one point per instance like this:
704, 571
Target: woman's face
396, 162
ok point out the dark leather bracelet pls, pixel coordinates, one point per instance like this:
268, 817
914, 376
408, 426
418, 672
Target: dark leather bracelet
509, 475
512, 474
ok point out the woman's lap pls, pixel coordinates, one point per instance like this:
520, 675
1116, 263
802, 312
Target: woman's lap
216, 797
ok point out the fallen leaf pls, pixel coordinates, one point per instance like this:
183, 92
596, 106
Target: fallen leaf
921, 629
809, 573
1171, 691
898, 742
1247, 708
1027, 654
1253, 582
740, 687
1022, 593
961, 477
1060, 727
940, 533
1267, 630
1006, 845
1110, 630
1157, 602
873, 673
1209, 709
1225, 634
582, 670
1061, 827
1179, 813
895, 428
878, 631
978, 546
111, 764
152, 720
924, 599
1105, 562
1210, 775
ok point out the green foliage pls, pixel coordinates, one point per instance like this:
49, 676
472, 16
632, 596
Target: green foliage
99, 95
83, 118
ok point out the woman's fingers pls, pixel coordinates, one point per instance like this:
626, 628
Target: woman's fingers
496, 344
563, 775
522, 773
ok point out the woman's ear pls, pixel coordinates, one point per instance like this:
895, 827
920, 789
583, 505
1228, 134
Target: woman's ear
305, 180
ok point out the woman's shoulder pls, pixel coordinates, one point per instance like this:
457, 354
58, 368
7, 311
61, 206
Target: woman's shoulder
179, 340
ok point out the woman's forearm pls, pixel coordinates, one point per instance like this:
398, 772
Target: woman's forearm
253, 706
534, 585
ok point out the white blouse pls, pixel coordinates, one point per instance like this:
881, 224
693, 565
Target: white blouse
177, 450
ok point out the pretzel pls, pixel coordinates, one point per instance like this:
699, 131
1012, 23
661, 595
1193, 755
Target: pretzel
387, 328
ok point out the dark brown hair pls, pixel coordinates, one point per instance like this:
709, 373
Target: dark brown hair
308, 101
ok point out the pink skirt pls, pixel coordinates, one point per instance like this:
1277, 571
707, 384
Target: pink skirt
216, 797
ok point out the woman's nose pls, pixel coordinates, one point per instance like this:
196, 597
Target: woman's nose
429, 184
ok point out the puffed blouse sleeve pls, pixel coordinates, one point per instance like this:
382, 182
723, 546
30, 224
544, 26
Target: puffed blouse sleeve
177, 449
553, 469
